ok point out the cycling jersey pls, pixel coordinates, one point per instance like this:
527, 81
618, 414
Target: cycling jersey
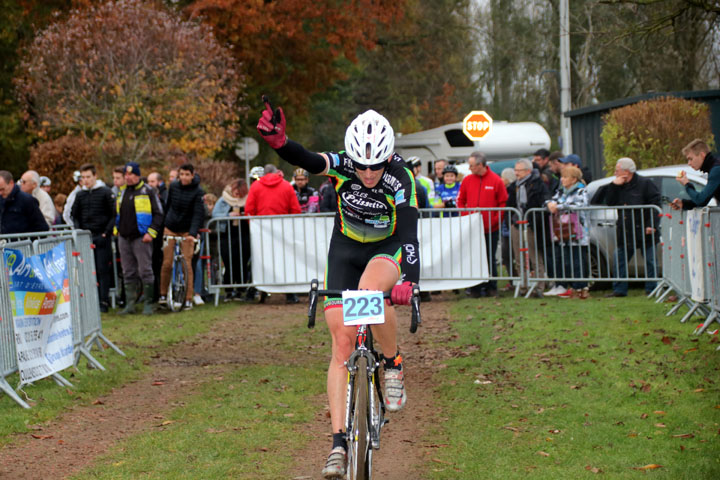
447, 192
370, 214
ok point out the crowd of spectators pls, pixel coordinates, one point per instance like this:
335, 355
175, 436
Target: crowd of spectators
136, 212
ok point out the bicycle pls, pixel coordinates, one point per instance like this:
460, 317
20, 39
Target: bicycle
178, 278
365, 409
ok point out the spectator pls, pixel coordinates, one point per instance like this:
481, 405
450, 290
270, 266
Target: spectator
570, 233
185, 216
209, 199
634, 228
574, 159
235, 255
67, 211
328, 197
118, 180
484, 189
699, 157
307, 196
256, 173
155, 180
439, 167
271, 195
416, 168
139, 216
94, 210
529, 191
19, 211
420, 189
541, 161
172, 175
508, 177
449, 190
30, 184
555, 168
45, 184
59, 202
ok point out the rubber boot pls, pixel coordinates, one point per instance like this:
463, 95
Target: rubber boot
148, 291
130, 297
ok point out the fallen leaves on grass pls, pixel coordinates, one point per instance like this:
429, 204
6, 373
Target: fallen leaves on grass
684, 435
651, 466
41, 437
544, 454
593, 469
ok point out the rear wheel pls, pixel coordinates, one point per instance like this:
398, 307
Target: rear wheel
178, 285
359, 455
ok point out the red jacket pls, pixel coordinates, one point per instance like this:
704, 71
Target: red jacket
271, 195
486, 191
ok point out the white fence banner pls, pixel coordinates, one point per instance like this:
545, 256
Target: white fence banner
695, 255
40, 300
288, 252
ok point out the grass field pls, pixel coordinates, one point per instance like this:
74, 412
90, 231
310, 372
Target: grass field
541, 389
564, 389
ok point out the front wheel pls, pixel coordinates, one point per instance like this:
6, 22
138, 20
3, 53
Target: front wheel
359, 454
178, 285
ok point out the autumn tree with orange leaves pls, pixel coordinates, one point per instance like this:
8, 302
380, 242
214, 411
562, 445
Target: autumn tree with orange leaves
289, 48
132, 76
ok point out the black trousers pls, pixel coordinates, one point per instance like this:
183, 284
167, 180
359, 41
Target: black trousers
103, 265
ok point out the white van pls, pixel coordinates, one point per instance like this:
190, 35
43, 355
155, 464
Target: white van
507, 140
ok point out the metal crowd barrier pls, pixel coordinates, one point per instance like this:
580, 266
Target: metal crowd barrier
544, 259
228, 244
86, 321
8, 359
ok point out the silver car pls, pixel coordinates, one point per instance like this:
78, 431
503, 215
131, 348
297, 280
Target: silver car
602, 222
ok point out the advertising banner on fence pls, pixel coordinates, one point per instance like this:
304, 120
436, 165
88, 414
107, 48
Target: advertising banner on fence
288, 252
40, 299
695, 255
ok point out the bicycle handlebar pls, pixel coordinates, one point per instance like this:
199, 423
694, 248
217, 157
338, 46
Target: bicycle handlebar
180, 239
415, 318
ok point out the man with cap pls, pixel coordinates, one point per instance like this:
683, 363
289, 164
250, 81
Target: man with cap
67, 211
138, 221
30, 184
574, 159
415, 166
421, 190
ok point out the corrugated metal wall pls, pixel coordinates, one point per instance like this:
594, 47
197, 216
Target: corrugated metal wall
586, 124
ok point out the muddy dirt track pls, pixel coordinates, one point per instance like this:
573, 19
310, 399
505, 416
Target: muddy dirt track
72, 442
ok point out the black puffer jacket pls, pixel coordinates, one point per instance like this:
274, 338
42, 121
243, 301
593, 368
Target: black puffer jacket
185, 207
94, 209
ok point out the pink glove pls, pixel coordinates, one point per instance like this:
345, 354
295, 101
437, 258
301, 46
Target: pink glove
401, 294
271, 125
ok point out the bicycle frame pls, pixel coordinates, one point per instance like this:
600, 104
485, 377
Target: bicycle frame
177, 271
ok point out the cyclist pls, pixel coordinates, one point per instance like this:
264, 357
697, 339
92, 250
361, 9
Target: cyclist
373, 245
184, 218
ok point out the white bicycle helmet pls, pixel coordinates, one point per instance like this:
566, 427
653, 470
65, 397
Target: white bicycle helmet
369, 139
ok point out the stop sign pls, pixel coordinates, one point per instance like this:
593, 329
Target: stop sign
477, 125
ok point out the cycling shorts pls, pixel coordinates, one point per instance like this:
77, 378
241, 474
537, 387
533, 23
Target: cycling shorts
348, 258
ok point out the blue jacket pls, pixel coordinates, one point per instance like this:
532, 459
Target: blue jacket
20, 213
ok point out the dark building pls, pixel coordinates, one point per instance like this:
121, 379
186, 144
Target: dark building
587, 123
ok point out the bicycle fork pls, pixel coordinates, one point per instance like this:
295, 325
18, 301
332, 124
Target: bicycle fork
376, 417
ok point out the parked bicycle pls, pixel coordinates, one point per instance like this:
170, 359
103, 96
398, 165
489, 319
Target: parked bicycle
365, 408
177, 291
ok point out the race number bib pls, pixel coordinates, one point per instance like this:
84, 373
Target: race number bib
363, 307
